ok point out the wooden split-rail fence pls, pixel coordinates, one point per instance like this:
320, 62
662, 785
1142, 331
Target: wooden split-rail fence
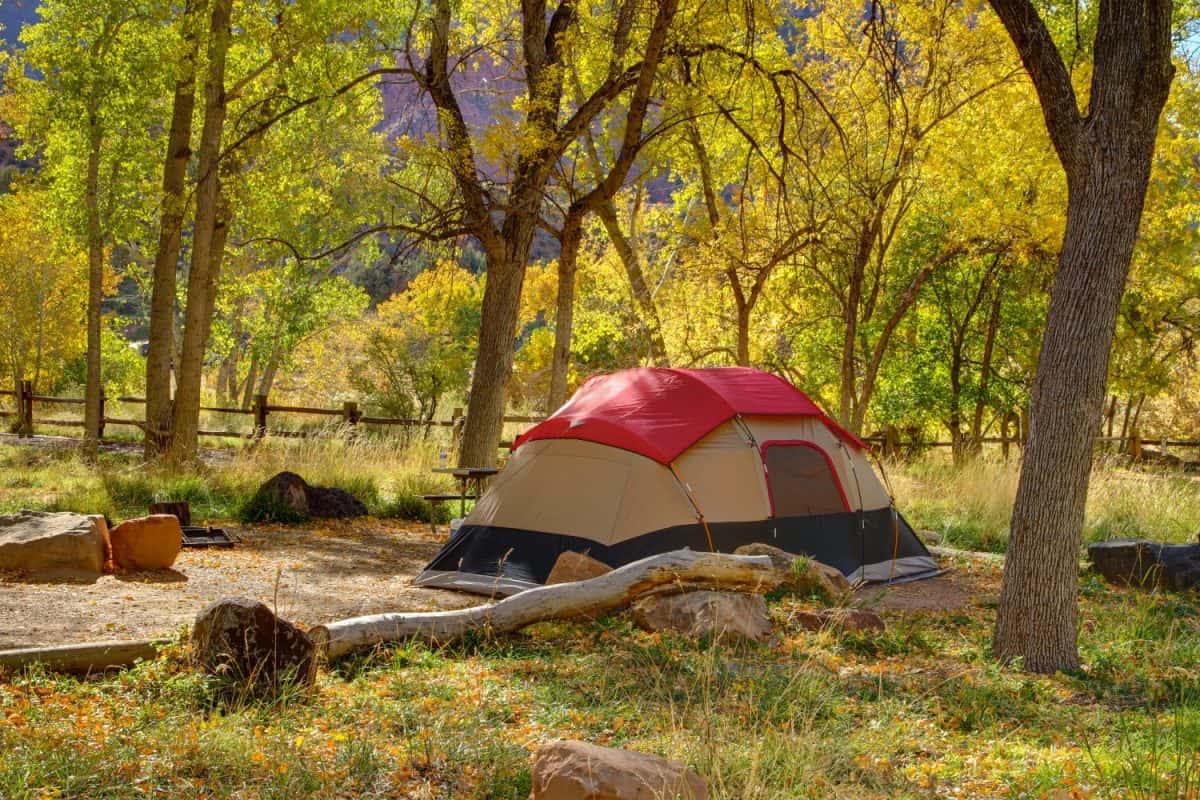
351, 416
261, 409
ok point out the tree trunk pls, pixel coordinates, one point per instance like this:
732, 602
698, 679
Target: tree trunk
161, 347
564, 316
268, 376
954, 424
95, 253
208, 240
1037, 618
742, 309
227, 383
251, 383
637, 281
985, 369
1107, 156
494, 359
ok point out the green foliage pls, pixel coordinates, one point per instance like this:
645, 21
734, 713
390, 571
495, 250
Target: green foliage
420, 345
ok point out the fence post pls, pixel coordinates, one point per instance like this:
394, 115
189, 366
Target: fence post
100, 429
891, 442
1135, 446
351, 415
260, 416
25, 409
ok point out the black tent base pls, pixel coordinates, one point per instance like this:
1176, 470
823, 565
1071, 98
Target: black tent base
872, 546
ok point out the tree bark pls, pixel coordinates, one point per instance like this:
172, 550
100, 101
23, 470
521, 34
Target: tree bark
208, 243
590, 597
564, 315
161, 347
95, 253
985, 367
1107, 157
637, 281
84, 659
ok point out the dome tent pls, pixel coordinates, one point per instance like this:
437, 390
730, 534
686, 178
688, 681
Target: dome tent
645, 461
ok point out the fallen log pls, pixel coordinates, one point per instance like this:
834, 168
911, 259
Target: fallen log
83, 658
591, 597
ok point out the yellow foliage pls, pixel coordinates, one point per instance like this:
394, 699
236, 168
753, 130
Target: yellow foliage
43, 291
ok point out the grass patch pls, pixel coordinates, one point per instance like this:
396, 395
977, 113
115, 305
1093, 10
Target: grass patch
971, 507
926, 714
920, 711
388, 478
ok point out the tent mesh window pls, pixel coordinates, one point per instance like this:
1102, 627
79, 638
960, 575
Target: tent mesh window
801, 480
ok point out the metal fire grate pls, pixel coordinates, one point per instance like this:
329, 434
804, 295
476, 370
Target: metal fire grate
194, 535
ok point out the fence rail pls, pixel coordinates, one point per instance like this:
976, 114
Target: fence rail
261, 410
350, 414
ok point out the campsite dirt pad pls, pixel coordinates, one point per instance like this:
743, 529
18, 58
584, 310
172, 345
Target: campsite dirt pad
311, 574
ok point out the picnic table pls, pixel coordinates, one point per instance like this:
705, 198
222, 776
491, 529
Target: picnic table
465, 477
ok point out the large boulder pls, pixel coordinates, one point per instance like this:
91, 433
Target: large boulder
1147, 564
573, 770
243, 640
572, 566
720, 615
805, 575
289, 492
59, 542
151, 542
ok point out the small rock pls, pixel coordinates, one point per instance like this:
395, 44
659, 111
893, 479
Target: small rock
849, 620
573, 770
807, 574
1147, 564
241, 639
721, 615
39, 541
572, 566
334, 503
151, 542
289, 491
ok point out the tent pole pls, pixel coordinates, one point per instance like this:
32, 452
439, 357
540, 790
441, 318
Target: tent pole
687, 492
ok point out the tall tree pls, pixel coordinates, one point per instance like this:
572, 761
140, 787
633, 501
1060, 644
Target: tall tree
208, 239
161, 346
90, 116
502, 172
606, 184
1106, 152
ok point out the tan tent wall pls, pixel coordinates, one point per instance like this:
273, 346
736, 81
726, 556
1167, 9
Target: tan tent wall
853, 469
583, 489
609, 495
724, 472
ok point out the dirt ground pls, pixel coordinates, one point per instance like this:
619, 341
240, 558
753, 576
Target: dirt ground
316, 574
310, 575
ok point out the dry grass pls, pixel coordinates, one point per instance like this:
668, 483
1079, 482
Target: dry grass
970, 507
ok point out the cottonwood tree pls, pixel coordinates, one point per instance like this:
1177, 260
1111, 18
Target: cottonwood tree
91, 114
839, 131
254, 57
173, 206
607, 178
502, 170
1106, 150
